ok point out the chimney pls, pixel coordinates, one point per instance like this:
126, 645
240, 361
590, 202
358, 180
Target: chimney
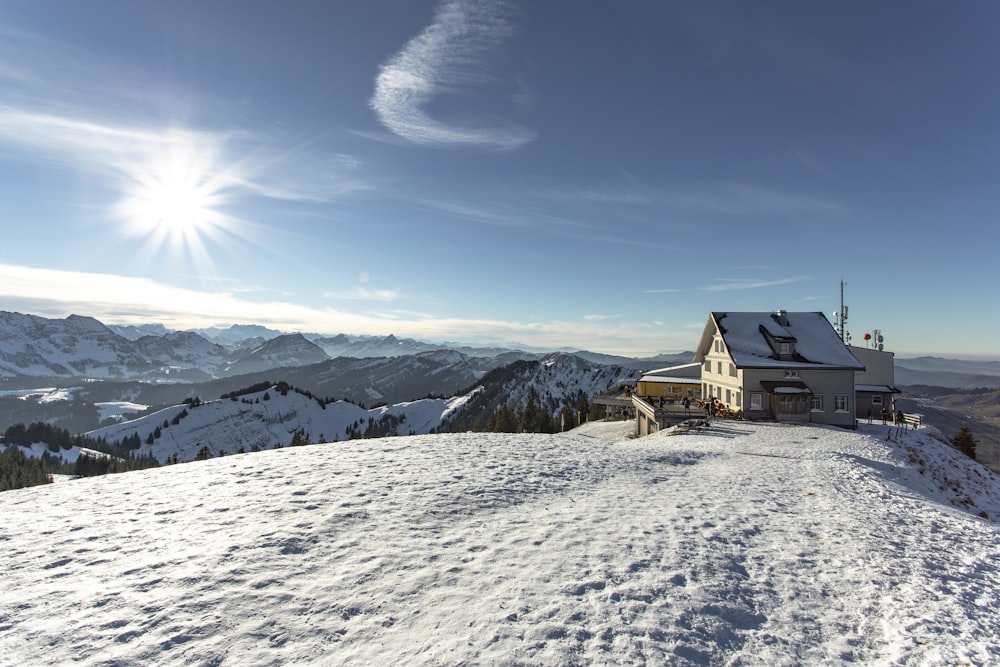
781, 317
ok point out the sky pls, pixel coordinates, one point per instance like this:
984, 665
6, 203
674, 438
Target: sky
557, 174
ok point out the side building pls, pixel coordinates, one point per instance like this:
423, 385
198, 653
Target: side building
672, 384
875, 386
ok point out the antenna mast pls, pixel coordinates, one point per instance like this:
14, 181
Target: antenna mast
840, 318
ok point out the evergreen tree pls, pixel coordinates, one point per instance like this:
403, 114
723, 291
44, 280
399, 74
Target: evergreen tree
300, 438
964, 442
17, 470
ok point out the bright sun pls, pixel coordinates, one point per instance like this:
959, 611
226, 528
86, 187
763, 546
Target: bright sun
173, 202
176, 206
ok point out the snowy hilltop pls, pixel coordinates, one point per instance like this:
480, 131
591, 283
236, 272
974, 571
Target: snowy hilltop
266, 416
744, 543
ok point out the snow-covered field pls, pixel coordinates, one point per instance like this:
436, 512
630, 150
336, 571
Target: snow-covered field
118, 410
747, 544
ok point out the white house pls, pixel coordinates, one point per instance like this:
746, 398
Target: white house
782, 365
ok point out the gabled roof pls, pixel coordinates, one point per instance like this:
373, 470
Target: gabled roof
815, 342
876, 388
683, 374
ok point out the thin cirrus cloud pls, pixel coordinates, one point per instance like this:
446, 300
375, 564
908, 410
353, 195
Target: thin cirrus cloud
727, 284
448, 57
363, 294
130, 300
69, 107
127, 151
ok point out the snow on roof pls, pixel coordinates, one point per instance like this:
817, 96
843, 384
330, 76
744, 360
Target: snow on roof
685, 373
815, 341
666, 379
877, 388
785, 386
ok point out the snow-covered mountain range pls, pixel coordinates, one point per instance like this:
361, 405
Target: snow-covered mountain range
83, 347
743, 544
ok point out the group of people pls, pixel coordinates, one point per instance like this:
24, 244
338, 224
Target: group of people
712, 407
897, 417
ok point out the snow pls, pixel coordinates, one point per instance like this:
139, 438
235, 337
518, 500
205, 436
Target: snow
742, 544
265, 419
815, 340
42, 395
68, 455
118, 409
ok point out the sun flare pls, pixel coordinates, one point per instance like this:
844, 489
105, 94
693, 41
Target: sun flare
175, 205
173, 202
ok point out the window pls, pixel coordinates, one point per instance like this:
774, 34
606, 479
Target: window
729, 397
732, 370
708, 366
756, 400
791, 374
840, 402
718, 346
877, 399
784, 348
739, 400
718, 367
816, 403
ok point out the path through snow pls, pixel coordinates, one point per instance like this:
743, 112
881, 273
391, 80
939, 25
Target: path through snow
749, 544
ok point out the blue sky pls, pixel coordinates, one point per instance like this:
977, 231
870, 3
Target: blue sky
559, 173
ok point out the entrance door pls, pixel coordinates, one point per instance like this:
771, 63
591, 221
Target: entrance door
791, 407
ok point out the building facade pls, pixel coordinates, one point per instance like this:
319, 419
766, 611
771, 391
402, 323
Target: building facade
784, 366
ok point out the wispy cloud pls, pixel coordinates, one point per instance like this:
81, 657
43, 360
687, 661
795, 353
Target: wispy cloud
449, 57
597, 318
234, 161
724, 198
131, 300
727, 284
744, 199
66, 106
363, 294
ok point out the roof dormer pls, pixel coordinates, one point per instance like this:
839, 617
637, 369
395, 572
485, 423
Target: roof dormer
782, 343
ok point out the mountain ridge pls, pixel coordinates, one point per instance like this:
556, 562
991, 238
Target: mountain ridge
83, 347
